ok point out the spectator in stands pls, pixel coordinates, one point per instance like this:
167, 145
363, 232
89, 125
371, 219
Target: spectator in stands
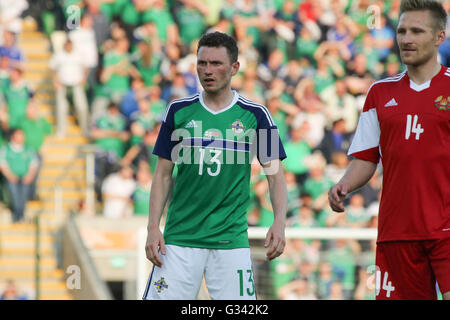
176, 89
35, 128
191, 16
157, 104
114, 77
12, 292
312, 109
358, 77
84, 42
325, 278
19, 165
336, 291
141, 122
110, 135
297, 290
296, 151
384, 37
117, 190
129, 104
317, 183
100, 22
342, 257
303, 219
70, 73
293, 194
147, 59
17, 95
10, 49
336, 169
335, 140
357, 215
141, 194
10, 15
140, 154
340, 105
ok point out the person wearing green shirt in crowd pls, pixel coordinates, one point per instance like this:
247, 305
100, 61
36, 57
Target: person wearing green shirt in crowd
317, 183
191, 21
296, 151
17, 95
35, 128
157, 105
114, 77
141, 194
110, 135
141, 121
342, 258
19, 165
138, 13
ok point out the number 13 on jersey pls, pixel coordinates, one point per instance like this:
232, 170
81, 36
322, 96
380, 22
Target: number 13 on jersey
413, 127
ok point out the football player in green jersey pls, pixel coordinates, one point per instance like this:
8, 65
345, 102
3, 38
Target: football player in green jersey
205, 233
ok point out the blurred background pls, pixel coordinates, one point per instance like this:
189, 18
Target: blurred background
83, 86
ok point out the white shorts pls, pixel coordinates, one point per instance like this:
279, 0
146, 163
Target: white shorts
228, 274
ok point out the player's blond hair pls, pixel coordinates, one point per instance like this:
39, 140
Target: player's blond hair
438, 13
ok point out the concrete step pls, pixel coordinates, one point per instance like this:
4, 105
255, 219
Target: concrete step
31, 36
22, 251
67, 140
37, 55
58, 172
66, 184
61, 162
65, 296
18, 239
66, 194
8, 262
30, 274
37, 66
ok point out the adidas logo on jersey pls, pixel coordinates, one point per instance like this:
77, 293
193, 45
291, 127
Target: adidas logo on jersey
191, 124
391, 103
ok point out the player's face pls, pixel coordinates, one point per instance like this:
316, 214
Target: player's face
417, 39
215, 69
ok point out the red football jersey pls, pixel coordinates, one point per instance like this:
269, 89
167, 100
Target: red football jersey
407, 126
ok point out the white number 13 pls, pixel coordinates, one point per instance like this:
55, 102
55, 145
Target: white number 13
415, 128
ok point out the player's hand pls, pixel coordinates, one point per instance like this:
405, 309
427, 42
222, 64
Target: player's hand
337, 195
275, 240
155, 243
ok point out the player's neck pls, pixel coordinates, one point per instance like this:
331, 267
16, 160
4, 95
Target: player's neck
425, 72
218, 101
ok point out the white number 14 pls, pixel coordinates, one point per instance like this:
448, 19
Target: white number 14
415, 128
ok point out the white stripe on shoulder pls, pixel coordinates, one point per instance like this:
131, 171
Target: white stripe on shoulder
395, 78
256, 105
190, 98
367, 135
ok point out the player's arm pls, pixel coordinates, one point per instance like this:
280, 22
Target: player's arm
357, 174
275, 239
160, 191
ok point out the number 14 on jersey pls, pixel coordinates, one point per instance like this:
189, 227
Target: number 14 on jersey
413, 127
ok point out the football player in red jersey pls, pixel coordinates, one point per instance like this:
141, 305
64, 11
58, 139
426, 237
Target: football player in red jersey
405, 123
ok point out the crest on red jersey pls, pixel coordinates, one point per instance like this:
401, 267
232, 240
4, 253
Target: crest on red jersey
442, 103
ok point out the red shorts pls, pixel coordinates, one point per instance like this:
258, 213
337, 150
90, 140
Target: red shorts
408, 270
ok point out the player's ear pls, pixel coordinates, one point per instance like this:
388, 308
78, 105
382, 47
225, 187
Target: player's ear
440, 37
235, 67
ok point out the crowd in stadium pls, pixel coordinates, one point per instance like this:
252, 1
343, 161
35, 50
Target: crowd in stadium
311, 62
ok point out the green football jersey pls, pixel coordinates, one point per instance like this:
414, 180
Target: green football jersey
213, 151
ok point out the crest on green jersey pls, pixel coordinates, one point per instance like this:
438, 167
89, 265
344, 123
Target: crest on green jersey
237, 127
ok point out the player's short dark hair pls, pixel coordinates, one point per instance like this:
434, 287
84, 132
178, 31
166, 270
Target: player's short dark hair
438, 13
219, 39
